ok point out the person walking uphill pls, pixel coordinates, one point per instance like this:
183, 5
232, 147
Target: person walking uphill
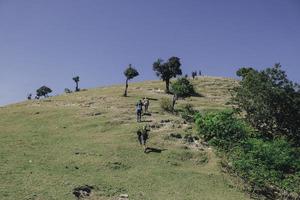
143, 136
139, 109
146, 104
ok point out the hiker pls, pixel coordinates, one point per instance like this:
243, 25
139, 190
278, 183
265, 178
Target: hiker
146, 104
143, 136
139, 110
29, 96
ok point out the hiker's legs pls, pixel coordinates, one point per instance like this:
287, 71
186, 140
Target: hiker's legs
146, 108
140, 140
139, 116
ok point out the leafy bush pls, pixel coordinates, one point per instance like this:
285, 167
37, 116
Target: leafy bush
271, 102
43, 91
182, 88
268, 162
221, 129
166, 104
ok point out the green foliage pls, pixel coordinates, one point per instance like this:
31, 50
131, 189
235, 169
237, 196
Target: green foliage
268, 162
166, 104
130, 72
167, 70
43, 91
263, 163
242, 72
76, 79
221, 129
182, 88
271, 102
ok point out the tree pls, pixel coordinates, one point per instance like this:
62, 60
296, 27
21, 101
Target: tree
194, 74
181, 88
43, 91
129, 73
76, 79
242, 72
167, 70
270, 101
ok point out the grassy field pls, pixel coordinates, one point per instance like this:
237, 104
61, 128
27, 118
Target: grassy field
49, 147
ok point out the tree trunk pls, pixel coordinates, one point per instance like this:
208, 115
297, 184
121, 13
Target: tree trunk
125, 92
174, 101
76, 87
167, 85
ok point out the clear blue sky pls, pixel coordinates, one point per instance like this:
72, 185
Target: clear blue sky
47, 42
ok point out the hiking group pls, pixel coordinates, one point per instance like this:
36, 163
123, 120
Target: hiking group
139, 108
142, 133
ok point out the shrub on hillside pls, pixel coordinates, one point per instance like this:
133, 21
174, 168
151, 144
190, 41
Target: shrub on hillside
268, 163
221, 129
182, 88
43, 91
166, 104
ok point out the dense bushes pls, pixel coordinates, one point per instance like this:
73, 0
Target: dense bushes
262, 162
270, 101
221, 129
268, 163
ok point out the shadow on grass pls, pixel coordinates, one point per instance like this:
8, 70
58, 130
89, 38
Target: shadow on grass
153, 99
196, 94
154, 150
147, 121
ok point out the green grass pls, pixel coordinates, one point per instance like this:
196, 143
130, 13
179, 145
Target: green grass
49, 147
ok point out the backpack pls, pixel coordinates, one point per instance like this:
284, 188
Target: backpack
139, 106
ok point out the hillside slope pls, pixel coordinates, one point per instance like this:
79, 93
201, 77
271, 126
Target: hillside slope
49, 147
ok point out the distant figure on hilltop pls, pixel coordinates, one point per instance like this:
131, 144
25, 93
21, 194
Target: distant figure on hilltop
29, 96
143, 136
139, 110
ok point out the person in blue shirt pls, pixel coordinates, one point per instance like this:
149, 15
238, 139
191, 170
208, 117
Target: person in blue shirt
139, 110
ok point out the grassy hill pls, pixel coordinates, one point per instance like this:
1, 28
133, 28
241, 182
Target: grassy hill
51, 146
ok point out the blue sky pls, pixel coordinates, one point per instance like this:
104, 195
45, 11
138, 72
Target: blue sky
47, 42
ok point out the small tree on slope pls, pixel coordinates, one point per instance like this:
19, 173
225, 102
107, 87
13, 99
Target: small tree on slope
167, 70
181, 88
129, 73
76, 79
43, 91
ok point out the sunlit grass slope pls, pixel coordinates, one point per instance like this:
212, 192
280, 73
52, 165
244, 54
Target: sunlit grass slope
51, 146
